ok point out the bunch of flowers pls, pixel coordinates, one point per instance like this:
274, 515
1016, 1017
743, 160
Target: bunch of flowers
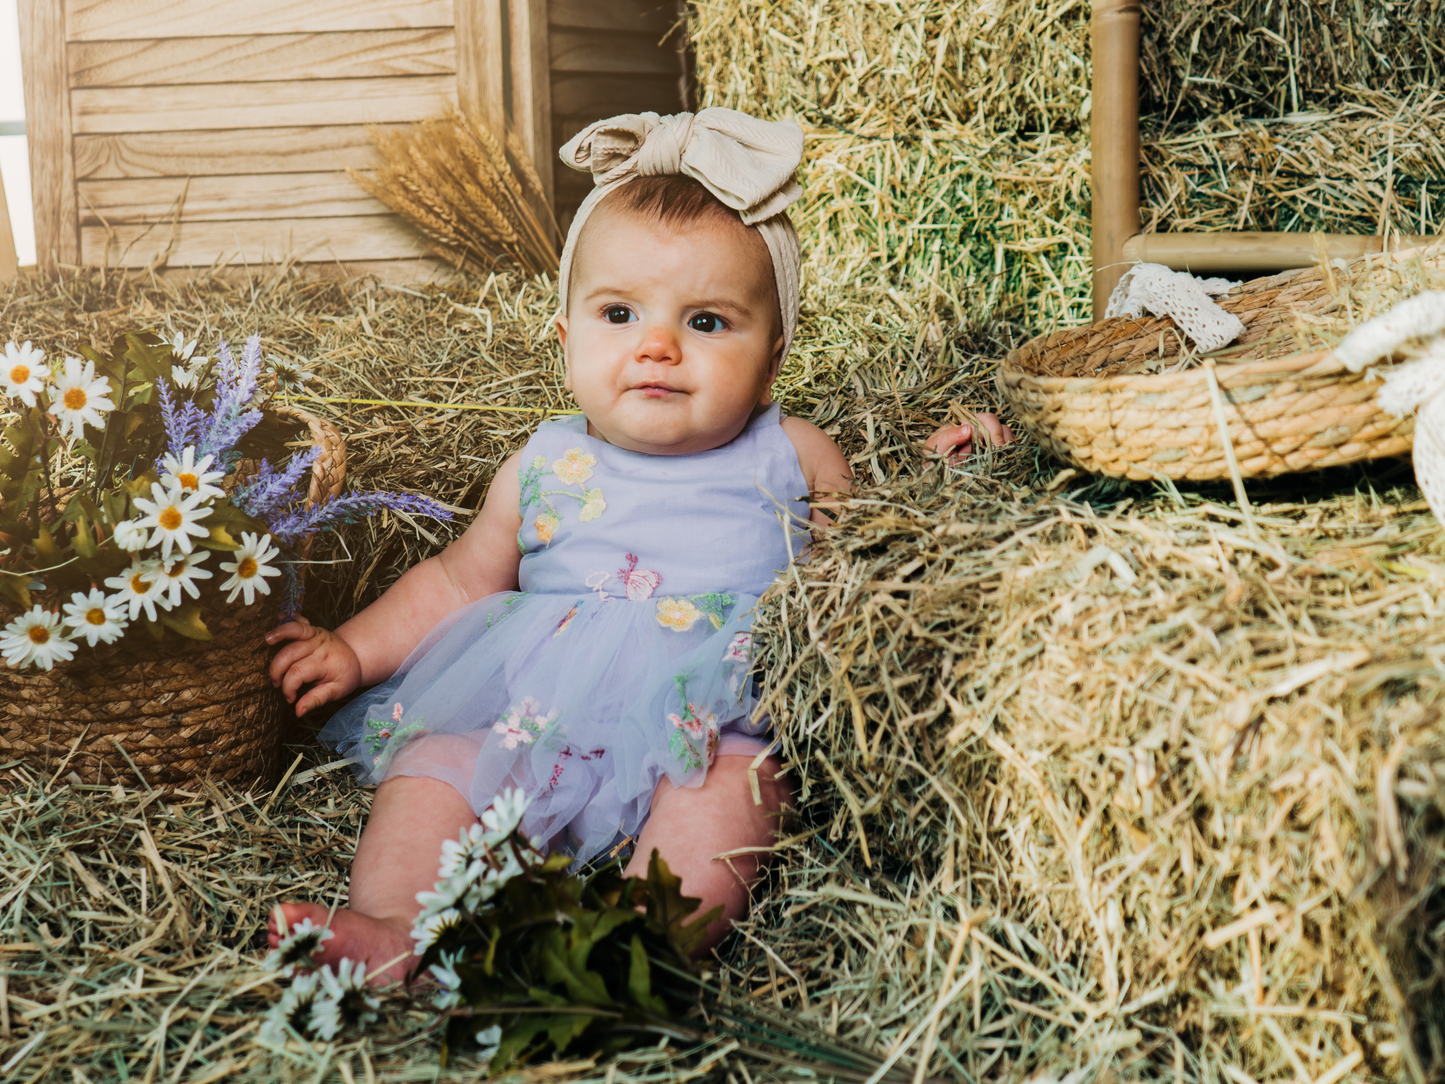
119, 482
522, 956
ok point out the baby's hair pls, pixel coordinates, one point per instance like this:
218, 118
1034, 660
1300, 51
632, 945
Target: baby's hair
671, 199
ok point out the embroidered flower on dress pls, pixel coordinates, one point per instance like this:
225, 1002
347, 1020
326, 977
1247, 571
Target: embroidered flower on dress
546, 525
567, 620
639, 582
592, 504
694, 734
523, 724
739, 649
574, 468
677, 613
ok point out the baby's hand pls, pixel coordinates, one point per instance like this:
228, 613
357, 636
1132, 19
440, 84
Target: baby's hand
960, 441
315, 657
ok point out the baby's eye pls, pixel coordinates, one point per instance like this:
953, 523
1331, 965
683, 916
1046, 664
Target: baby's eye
706, 322
617, 314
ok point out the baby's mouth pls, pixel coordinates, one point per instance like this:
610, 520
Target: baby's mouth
655, 389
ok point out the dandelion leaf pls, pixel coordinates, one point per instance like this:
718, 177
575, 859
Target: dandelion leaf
668, 908
186, 620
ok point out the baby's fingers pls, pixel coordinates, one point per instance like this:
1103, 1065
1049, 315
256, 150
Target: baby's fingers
323, 693
300, 629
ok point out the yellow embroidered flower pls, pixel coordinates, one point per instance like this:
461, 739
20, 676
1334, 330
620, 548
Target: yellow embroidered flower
677, 613
538, 462
575, 467
593, 505
546, 525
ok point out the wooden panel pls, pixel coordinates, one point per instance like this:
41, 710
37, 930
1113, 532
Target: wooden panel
9, 263
598, 96
112, 20
532, 86
209, 199
260, 105
248, 150
588, 51
259, 57
656, 17
481, 38
47, 112
378, 237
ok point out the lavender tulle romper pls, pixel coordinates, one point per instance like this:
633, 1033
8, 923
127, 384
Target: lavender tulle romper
624, 658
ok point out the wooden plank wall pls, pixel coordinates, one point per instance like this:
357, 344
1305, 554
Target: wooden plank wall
170, 133
610, 57
204, 131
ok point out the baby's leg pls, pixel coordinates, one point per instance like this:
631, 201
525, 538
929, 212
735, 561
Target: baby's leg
396, 857
689, 825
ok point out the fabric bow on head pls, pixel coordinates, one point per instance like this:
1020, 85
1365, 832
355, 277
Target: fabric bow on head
748, 164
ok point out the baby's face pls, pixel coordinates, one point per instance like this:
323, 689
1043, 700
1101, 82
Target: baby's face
671, 336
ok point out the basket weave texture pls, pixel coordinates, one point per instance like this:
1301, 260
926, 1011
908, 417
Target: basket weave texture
181, 709
1079, 394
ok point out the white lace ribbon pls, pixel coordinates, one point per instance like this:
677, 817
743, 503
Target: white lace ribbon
1155, 289
1415, 385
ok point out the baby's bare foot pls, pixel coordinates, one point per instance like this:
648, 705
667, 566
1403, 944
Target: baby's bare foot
384, 943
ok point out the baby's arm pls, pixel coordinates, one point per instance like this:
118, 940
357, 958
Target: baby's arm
824, 468
371, 646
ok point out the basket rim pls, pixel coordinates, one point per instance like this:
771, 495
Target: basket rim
1315, 363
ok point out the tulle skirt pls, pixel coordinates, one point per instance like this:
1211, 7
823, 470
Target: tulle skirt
586, 704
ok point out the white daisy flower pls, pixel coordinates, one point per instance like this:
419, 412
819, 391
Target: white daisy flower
298, 948
181, 573
172, 515
489, 1039
180, 349
96, 616
450, 994
130, 535
505, 812
185, 379
294, 1009
249, 568
140, 588
185, 473
78, 397
346, 999
21, 372
35, 637
427, 928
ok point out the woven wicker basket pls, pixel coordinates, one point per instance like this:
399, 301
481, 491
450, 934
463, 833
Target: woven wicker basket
1077, 393
180, 709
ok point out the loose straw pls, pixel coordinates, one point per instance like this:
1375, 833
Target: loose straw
352, 401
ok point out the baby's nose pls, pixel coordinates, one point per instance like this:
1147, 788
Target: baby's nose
659, 343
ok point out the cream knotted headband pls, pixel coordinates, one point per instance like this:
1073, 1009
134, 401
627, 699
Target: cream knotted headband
746, 163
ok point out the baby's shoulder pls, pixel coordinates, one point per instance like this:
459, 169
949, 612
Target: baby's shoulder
823, 464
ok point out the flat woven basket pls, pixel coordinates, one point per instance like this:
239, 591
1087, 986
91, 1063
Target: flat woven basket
1079, 394
174, 710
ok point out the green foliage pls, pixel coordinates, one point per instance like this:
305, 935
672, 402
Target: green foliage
560, 962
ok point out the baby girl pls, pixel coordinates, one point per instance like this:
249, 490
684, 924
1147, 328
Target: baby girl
587, 639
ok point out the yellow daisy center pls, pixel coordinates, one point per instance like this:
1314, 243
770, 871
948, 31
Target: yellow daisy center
39, 634
20, 374
188, 481
170, 518
246, 567
95, 616
75, 399
139, 584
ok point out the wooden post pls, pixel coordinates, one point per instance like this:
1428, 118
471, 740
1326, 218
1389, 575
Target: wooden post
481, 40
532, 86
47, 128
9, 264
1255, 253
1114, 133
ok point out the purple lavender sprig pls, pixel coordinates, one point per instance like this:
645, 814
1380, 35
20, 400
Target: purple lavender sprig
271, 493
292, 526
232, 417
183, 424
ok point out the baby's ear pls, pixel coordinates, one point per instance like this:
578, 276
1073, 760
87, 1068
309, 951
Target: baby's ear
562, 338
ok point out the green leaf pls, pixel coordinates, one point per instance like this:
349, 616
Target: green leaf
227, 515
186, 620
14, 587
667, 907
219, 540
639, 980
84, 541
155, 628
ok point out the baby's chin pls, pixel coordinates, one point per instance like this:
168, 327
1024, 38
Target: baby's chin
665, 431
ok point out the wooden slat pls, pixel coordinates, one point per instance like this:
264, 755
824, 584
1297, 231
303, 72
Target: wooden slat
380, 237
260, 105
588, 51
112, 20
47, 113
481, 37
599, 96
656, 17
259, 57
209, 199
247, 150
9, 263
532, 85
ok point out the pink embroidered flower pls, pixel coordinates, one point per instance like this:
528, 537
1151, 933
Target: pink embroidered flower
738, 649
546, 525
574, 468
523, 724
713, 737
396, 712
639, 582
677, 613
